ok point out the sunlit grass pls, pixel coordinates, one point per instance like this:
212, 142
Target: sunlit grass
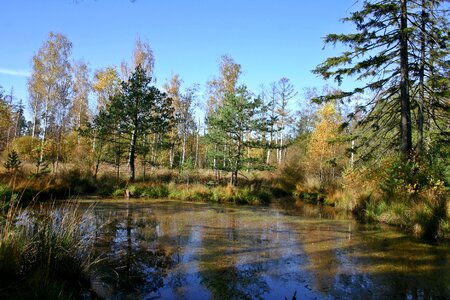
44, 252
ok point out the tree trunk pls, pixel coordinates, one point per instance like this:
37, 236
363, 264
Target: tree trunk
268, 154
79, 124
421, 100
153, 151
352, 155
171, 155
270, 145
97, 165
234, 175
196, 151
215, 162
44, 135
132, 153
280, 157
183, 150
405, 127
224, 163
33, 132
276, 147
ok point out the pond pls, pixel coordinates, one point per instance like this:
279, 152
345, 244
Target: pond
179, 250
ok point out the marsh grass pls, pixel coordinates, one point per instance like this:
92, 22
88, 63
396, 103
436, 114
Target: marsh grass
426, 215
45, 252
253, 194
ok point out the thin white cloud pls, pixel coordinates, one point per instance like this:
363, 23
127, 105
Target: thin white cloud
14, 72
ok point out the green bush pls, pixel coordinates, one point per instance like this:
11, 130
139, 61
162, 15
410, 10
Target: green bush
157, 191
118, 192
403, 179
108, 185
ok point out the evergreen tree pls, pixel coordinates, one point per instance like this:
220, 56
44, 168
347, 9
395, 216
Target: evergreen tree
383, 54
12, 163
235, 125
137, 110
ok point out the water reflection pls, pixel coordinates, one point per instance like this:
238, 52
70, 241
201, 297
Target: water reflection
133, 262
199, 251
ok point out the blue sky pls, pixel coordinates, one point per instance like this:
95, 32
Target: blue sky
270, 39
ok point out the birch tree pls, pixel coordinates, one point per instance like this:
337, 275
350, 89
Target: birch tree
80, 103
49, 88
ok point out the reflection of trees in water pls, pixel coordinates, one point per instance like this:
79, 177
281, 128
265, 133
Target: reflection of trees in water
133, 260
177, 279
374, 265
226, 269
173, 234
235, 282
252, 254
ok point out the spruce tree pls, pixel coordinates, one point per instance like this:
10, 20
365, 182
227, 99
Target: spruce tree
383, 56
12, 163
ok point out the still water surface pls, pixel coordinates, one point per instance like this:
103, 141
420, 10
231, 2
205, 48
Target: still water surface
179, 250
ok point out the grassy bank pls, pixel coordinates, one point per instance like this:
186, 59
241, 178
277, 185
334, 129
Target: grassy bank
43, 253
425, 215
412, 196
161, 184
196, 192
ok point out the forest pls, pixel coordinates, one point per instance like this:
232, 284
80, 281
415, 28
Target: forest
384, 143
379, 151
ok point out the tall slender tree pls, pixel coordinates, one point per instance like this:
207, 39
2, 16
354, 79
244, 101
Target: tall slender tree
173, 90
285, 92
49, 86
382, 56
140, 109
217, 89
80, 103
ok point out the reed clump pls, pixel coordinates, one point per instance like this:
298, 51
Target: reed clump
45, 253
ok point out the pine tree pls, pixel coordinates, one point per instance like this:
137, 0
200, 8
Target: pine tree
139, 109
382, 55
234, 126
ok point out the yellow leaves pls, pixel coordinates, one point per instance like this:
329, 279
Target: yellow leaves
172, 89
142, 56
26, 146
224, 84
106, 83
322, 150
5, 115
229, 73
325, 131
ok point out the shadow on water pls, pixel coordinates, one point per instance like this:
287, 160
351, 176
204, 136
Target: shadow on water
167, 249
